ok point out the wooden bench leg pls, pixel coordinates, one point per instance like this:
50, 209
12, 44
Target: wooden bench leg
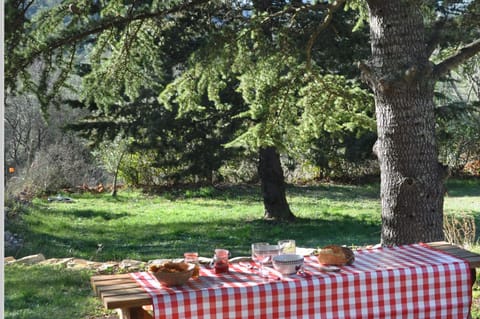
133, 313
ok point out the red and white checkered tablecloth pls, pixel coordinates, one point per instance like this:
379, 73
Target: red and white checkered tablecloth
412, 281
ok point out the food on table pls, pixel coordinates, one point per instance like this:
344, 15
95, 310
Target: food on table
169, 266
335, 255
172, 273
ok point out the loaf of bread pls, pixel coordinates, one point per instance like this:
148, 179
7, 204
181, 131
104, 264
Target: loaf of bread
335, 255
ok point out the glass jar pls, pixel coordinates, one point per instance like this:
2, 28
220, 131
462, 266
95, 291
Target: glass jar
192, 258
288, 246
220, 261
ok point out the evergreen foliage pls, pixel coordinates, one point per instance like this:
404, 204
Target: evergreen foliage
215, 70
271, 74
219, 77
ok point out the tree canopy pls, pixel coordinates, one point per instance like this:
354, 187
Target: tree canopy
201, 55
282, 69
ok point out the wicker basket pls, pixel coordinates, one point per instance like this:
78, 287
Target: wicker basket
174, 278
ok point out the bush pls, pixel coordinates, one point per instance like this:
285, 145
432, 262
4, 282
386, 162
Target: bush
459, 229
59, 166
472, 168
239, 171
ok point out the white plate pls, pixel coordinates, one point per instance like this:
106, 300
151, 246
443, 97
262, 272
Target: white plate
305, 251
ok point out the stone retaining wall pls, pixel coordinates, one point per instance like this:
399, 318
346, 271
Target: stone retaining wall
127, 265
109, 267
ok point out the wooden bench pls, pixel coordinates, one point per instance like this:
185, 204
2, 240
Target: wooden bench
472, 258
121, 292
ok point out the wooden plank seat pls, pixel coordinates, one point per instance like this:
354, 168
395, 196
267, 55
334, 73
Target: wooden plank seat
472, 258
121, 291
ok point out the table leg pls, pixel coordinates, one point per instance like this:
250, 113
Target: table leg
473, 272
133, 313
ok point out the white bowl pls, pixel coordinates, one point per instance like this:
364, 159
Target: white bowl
288, 264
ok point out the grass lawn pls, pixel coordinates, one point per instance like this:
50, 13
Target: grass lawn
41, 292
144, 227
139, 226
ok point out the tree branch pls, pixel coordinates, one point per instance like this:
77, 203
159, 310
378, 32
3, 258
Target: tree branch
326, 22
452, 62
296, 10
116, 22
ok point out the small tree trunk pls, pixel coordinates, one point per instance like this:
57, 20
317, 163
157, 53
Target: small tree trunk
400, 75
115, 175
114, 186
273, 186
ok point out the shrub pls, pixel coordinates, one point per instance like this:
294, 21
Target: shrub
58, 166
472, 167
459, 229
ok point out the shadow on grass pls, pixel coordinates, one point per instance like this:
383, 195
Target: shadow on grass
47, 292
336, 192
252, 193
93, 214
159, 240
123, 236
463, 187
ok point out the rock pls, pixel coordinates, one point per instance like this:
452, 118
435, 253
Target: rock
78, 263
131, 265
107, 266
29, 260
127, 265
57, 261
9, 259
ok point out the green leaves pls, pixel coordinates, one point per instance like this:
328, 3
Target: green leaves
267, 70
226, 67
361, 7
333, 104
268, 84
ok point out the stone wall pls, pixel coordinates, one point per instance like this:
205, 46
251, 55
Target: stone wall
126, 265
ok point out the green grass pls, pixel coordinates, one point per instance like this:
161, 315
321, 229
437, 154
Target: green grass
463, 196
41, 292
140, 226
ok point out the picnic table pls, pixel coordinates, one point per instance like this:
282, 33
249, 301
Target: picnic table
412, 281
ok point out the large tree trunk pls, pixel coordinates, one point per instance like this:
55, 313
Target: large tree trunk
400, 75
273, 186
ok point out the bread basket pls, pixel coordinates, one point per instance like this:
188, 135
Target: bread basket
172, 276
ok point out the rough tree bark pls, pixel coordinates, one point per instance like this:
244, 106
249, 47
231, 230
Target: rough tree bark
273, 186
402, 79
411, 183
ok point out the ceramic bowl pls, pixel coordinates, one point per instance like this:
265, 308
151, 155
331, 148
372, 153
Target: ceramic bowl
288, 264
